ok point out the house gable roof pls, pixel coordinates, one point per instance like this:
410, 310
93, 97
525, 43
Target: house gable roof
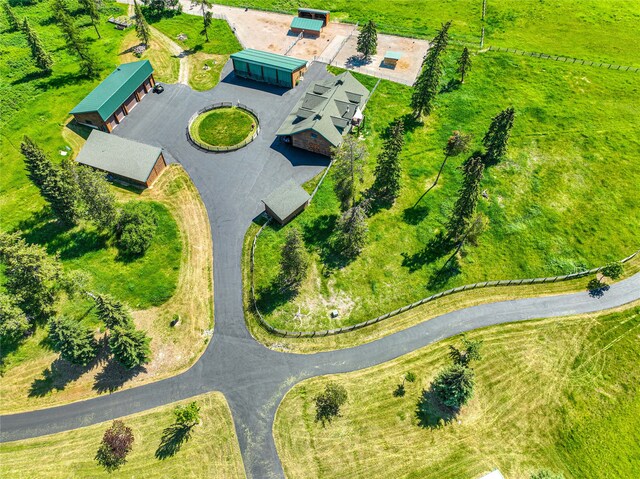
327, 108
119, 156
307, 24
114, 90
286, 199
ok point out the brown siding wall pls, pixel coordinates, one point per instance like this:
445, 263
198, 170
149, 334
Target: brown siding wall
307, 33
91, 118
306, 141
297, 74
157, 169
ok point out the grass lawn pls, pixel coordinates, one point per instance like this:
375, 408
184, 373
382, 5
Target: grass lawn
223, 126
564, 199
600, 30
166, 65
560, 394
212, 450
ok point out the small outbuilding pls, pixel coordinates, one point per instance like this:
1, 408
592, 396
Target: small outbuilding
495, 474
268, 67
306, 26
286, 202
123, 159
313, 14
114, 98
391, 59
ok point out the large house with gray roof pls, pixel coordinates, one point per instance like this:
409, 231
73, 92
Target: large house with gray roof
325, 113
107, 105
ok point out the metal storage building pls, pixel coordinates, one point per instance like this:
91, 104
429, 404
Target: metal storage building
306, 26
314, 14
268, 67
113, 99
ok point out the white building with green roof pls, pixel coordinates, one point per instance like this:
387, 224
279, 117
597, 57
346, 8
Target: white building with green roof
113, 99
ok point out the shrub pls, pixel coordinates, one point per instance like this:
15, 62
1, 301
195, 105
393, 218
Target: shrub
187, 416
116, 443
612, 270
329, 402
13, 322
135, 229
410, 376
543, 474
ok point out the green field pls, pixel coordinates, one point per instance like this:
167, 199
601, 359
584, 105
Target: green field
564, 199
223, 127
560, 394
598, 30
211, 452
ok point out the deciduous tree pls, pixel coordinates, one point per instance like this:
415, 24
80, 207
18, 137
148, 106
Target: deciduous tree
464, 63
135, 229
368, 40
427, 84
468, 193
38, 53
130, 347
497, 137
329, 402
14, 324
75, 343
613, 270
348, 161
454, 385
116, 444
386, 185
294, 262
187, 416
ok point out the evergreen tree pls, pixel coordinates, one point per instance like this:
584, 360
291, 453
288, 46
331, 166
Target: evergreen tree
91, 8
464, 63
39, 166
454, 385
113, 313
142, 28
348, 160
75, 343
207, 18
14, 324
352, 231
469, 352
40, 55
457, 143
496, 139
130, 347
187, 416
294, 262
98, 200
32, 276
66, 198
427, 84
76, 44
12, 19
465, 206
386, 185
368, 40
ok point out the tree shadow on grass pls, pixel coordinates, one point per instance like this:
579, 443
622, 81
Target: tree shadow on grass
411, 122
173, 437
57, 376
440, 278
113, 376
436, 248
414, 215
272, 297
318, 235
452, 85
29, 77
431, 413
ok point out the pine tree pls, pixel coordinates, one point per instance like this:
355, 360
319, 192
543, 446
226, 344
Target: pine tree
352, 231
39, 166
75, 343
76, 44
348, 160
464, 63
40, 55
91, 8
32, 276
465, 206
454, 385
142, 28
67, 202
113, 313
427, 84
12, 19
130, 347
206, 23
386, 185
95, 193
294, 262
496, 139
14, 324
368, 40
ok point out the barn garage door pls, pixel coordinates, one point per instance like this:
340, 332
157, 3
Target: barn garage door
270, 75
255, 71
119, 114
141, 93
111, 123
130, 103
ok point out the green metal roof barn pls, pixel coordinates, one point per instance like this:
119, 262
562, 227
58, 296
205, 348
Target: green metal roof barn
268, 67
299, 24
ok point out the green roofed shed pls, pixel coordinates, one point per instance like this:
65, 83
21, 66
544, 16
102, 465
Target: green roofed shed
314, 14
286, 201
114, 90
125, 159
299, 25
268, 67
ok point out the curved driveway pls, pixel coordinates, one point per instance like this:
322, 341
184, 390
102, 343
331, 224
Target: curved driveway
252, 377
